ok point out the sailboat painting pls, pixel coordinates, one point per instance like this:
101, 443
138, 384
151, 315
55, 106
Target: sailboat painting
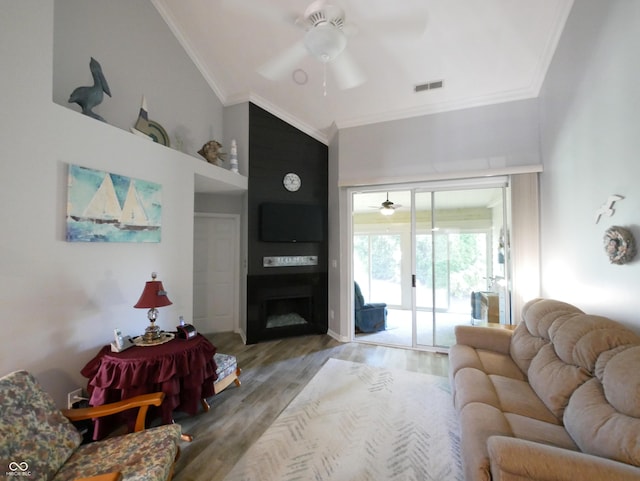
105, 207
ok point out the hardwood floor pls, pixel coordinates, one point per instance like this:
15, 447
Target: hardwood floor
273, 373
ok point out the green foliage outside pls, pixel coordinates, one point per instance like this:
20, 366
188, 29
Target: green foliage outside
460, 266
460, 262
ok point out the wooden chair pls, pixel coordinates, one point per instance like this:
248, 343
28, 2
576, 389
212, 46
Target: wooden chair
44, 439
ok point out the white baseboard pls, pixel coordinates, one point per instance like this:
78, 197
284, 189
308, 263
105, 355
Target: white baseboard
337, 336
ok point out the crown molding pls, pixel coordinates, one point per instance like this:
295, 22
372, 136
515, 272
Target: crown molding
191, 52
435, 108
562, 14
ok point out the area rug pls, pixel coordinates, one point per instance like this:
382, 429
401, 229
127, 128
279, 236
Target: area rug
354, 422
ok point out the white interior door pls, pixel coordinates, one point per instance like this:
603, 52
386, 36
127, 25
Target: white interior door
216, 270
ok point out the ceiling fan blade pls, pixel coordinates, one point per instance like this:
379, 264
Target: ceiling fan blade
314, 7
346, 71
284, 63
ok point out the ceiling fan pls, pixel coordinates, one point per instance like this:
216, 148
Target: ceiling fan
325, 39
325, 34
387, 207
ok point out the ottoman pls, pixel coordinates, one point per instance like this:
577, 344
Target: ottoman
227, 370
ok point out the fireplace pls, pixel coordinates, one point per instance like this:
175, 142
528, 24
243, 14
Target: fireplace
288, 311
285, 305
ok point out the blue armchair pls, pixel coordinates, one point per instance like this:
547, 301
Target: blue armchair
370, 317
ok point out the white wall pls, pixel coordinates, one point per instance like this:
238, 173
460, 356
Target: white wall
590, 117
60, 301
471, 140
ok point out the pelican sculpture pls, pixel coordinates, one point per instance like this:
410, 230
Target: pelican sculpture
88, 97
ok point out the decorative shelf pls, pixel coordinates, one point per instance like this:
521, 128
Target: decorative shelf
211, 179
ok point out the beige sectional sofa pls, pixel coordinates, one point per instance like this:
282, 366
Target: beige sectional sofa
558, 398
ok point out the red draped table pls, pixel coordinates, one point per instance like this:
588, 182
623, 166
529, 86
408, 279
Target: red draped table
182, 369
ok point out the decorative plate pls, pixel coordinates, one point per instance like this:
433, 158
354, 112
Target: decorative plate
154, 130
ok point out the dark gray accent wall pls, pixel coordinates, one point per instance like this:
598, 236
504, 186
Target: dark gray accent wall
275, 149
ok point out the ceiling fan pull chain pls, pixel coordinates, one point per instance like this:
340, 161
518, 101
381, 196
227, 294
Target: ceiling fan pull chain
324, 80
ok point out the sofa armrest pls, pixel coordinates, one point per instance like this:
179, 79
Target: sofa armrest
513, 458
116, 476
487, 338
141, 402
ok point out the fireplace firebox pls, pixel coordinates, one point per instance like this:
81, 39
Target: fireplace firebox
285, 305
289, 311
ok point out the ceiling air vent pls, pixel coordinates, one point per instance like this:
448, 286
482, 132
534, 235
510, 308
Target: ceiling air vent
438, 84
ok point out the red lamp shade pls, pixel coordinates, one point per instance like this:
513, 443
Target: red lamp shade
153, 295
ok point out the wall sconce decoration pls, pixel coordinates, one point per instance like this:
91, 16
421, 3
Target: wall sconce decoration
607, 208
619, 245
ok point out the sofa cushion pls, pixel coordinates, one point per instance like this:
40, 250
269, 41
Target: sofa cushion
518, 397
524, 427
540, 314
597, 428
604, 358
500, 364
532, 333
32, 428
621, 382
581, 339
553, 380
158, 448
503, 393
524, 346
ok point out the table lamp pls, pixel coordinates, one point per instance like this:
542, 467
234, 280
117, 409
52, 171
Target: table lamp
153, 296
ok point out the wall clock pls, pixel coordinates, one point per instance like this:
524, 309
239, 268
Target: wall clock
291, 182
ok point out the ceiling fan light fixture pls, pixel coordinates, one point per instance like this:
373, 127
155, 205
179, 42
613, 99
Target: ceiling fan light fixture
325, 42
387, 207
387, 210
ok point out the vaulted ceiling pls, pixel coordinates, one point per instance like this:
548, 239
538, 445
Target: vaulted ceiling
483, 52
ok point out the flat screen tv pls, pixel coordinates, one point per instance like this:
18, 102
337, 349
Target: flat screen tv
291, 223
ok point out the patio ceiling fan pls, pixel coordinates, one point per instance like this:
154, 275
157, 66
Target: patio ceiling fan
387, 207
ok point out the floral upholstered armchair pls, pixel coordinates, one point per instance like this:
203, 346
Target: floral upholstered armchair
39, 441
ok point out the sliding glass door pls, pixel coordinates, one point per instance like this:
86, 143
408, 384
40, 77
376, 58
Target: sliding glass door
439, 259
460, 272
